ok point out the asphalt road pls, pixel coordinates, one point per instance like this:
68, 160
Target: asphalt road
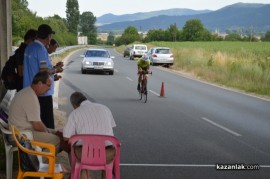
182, 135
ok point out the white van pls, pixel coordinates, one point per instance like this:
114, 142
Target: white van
137, 50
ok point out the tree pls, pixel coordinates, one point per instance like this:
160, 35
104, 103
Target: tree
62, 35
110, 39
130, 35
22, 20
155, 35
87, 23
117, 41
266, 36
73, 15
173, 32
88, 28
233, 37
193, 30
92, 38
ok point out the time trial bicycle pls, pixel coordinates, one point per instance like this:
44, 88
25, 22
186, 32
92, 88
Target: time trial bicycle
143, 86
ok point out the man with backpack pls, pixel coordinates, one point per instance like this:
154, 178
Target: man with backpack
12, 73
29, 38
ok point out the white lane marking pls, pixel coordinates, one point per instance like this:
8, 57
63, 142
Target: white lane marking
175, 165
167, 165
221, 127
265, 166
129, 78
154, 92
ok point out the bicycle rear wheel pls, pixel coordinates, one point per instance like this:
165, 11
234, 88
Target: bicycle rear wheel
145, 96
141, 90
140, 94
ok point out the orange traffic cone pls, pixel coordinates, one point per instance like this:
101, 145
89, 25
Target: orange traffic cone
162, 90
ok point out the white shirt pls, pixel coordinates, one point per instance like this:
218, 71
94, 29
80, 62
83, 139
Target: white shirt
89, 118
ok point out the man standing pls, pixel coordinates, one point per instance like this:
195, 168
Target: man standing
36, 59
51, 49
24, 110
29, 38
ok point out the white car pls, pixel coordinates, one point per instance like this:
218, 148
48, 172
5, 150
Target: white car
95, 60
137, 50
161, 56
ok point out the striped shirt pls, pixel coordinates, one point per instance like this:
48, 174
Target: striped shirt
89, 118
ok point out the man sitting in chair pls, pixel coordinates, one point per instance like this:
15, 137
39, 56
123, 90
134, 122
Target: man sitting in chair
89, 118
24, 110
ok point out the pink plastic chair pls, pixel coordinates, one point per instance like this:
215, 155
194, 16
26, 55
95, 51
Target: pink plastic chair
94, 155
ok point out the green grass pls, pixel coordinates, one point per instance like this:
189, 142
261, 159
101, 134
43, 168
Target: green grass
241, 65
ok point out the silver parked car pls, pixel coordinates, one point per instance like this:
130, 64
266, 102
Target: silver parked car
161, 56
97, 60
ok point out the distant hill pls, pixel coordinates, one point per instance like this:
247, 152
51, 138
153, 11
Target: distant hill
236, 16
111, 18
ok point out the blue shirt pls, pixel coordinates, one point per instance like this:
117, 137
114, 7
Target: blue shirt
36, 57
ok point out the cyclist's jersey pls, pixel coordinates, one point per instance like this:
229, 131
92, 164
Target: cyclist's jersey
143, 65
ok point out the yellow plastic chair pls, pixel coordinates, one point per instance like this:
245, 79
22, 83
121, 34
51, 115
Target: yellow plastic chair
9, 146
50, 170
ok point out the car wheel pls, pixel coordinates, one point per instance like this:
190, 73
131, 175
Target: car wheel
111, 72
83, 71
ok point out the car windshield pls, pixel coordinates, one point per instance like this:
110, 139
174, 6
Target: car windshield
163, 51
97, 53
140, 47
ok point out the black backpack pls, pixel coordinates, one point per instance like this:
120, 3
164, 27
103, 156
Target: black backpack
9, 73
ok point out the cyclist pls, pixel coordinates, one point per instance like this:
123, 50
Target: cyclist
143, 66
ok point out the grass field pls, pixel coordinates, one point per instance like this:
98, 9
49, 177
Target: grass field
241, 65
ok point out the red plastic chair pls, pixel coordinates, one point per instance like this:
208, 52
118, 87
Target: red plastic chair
94, 155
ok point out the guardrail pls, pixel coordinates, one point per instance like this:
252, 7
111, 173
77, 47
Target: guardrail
58, 51
63, 49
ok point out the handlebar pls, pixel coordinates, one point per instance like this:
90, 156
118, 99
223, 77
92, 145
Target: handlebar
145, 72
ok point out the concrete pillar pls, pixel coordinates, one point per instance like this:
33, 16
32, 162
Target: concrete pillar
5, 36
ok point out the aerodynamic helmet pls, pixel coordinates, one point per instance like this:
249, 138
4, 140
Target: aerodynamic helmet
144, 57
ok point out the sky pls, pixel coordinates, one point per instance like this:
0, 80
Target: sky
119, 7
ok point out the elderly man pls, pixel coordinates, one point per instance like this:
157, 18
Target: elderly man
24, 110
89, 118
